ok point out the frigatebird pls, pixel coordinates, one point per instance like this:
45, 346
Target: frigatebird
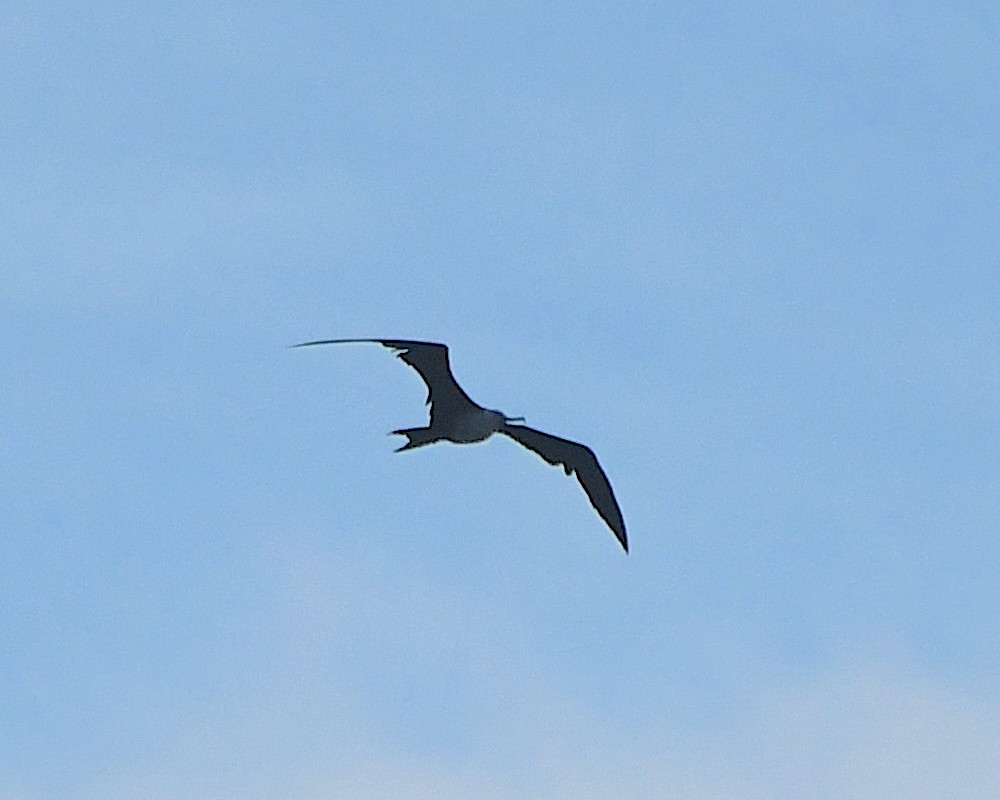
455, 417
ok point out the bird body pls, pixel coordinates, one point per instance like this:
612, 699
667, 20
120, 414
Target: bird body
477, 425
455, 417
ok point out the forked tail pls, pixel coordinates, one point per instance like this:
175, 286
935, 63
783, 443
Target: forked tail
416, 437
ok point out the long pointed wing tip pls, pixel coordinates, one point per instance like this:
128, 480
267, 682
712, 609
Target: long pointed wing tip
337, 341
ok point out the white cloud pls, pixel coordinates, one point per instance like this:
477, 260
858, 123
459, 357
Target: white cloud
355, 646
877, 733
853, 733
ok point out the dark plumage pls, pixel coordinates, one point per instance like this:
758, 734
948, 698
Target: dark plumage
456, 418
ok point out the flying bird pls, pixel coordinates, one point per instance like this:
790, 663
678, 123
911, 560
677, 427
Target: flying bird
455, 417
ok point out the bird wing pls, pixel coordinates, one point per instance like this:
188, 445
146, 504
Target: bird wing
578, 458
430, 360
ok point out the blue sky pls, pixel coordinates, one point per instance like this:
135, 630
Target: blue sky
749, 254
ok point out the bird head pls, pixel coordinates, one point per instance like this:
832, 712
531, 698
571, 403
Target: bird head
499, 415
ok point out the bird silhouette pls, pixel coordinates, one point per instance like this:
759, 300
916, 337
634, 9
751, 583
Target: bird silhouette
455, 417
